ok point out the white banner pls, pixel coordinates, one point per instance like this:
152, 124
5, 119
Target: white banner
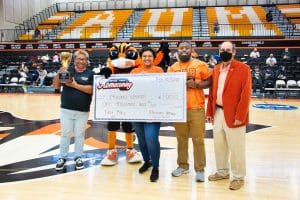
159, 97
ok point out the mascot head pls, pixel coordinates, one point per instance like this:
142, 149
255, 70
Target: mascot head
123, 58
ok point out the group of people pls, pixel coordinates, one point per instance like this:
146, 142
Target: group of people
30, 77
227, 108
271, 59
267, 76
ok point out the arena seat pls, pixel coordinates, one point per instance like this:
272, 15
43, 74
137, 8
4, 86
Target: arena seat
292, 13
47, 25
57, 18
280, 84
170, 22
291, 84
14, 80
290, 10
96, 24
246, 21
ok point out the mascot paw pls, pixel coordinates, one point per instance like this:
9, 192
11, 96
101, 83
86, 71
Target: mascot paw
111, 158
106, 72
132, 156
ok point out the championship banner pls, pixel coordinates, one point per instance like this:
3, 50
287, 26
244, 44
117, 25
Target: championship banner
155, 97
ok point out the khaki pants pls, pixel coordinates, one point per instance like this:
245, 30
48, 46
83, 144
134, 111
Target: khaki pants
194, 127
229, 142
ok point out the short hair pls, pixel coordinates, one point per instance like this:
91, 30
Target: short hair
185, 42
82, 52
147, 49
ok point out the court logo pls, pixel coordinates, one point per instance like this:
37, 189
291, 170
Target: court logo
29, 148
274, 106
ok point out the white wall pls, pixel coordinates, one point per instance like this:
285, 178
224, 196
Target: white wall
14, 12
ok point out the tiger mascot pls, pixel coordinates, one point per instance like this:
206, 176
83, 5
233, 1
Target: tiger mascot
122, 59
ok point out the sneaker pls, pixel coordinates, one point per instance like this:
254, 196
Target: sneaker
145, 167
132, 156
236, 184
200, 176
111, 158
78, 163
217, 177
154, 175
179, 171
60, 165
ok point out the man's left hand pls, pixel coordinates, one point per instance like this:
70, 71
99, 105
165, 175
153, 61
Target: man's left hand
191, 83
237, 122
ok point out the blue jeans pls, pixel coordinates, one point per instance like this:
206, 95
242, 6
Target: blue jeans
72, 121
147, 134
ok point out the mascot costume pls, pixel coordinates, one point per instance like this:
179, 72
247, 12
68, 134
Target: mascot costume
122, 59
164, 62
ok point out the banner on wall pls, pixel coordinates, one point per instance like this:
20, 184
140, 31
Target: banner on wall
138, 44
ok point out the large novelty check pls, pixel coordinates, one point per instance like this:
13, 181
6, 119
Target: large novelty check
159, 97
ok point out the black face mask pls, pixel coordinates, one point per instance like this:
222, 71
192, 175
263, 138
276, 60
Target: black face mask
225, 56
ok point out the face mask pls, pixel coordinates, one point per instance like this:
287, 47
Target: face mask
225, 56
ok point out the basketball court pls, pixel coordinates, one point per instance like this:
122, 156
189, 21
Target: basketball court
29, 138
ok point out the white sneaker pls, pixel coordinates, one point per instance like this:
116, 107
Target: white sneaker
200, 176
179, 171
111, 158
132, 156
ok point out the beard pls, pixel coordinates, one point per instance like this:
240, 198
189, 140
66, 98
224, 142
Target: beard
184, 58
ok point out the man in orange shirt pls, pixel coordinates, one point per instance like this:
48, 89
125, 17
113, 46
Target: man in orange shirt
228, 110
198, 78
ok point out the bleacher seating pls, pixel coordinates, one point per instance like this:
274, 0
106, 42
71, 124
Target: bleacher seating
141, 23
96, 24
234, 21
57, 18
46, 26
291, 84
160, 23
280, 84
292, 13
246, 21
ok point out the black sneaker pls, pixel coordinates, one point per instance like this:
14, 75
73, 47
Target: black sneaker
154, 175
60, 165
78, 163
145, 167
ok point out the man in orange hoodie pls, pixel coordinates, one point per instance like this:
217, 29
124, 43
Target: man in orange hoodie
228, 110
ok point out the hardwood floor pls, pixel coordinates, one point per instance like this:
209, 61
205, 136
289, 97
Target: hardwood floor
273, 160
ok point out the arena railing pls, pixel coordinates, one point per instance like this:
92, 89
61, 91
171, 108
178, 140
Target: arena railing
142, 4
